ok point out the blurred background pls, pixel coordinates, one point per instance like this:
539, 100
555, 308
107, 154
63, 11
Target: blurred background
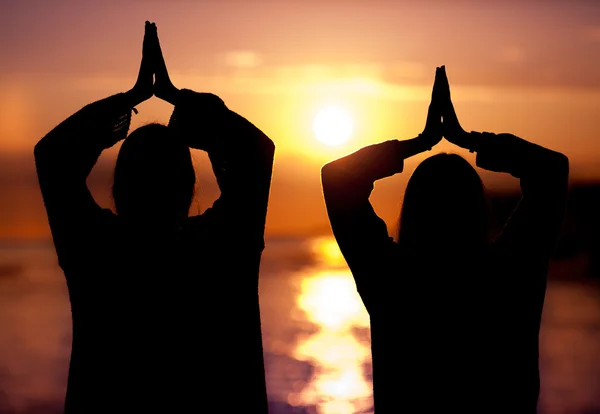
322, 79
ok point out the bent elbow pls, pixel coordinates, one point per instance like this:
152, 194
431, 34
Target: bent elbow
560, 166
265, 147
269, 145
40, 150
564, 164
334, 168
557, 175
326, 172
329, 175
41, 157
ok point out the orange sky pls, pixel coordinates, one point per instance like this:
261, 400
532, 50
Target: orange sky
531, 70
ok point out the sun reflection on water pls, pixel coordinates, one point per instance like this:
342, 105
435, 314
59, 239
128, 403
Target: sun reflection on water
329, 300
327, 251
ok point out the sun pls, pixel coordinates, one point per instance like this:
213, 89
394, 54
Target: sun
333, 125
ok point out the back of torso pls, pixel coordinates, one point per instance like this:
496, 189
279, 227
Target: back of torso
155, 316
441, 338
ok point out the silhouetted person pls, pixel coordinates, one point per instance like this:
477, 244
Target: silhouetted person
165, 306
454, 317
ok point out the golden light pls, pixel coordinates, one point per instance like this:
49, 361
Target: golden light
333, 125
16, 105
328, 252
330, 300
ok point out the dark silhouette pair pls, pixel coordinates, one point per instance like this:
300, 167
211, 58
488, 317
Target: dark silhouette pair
454, 317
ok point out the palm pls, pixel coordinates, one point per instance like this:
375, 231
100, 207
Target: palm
163, 87
142, 90
452, 130
432, 134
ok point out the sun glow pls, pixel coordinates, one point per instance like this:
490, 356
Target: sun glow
328, 252
333, 125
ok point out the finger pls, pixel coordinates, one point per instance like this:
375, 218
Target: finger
146, 41
444, 84
151, 35
450, 118
443, 88
433, 113
436, 97
433, 89
161, 66
435, 82
146, 69
149, 32
437, 94
146, 66
149, 39
449, 113
142, 70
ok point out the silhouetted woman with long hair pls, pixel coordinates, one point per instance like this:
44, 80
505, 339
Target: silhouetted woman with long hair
165, 306
455, 314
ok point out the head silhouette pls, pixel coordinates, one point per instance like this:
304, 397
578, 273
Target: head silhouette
444, 208
154, 177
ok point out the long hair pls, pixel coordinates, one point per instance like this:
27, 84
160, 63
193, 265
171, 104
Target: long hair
154, 177
444, 208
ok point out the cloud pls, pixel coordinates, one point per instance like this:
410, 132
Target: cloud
397, 71
242, 59
398, 81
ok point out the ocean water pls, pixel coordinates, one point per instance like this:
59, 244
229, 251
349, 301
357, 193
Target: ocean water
315, 333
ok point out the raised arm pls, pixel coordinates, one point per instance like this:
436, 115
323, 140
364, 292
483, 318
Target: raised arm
530, 234
347, 184
65, 157
240, 153
242, 160
67, 154
533, 228
361, 235
529, 237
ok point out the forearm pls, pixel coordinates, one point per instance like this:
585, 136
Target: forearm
240, 153
528, 240
67, 154
203, 121
197, 119
518, 157
76, 143
348, 182
534, 225
372, 163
